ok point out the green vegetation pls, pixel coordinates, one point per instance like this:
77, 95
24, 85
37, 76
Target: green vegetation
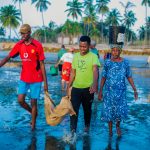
96, 17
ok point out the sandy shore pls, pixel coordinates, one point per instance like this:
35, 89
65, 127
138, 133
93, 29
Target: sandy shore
54, 47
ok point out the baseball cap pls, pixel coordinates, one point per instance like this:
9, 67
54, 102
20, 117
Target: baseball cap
25, 28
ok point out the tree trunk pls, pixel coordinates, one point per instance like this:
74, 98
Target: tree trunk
45, 39
146, 30
9, 32
20, 12
102, 30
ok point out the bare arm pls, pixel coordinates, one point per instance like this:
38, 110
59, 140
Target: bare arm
100, 95
94, 87
5, 60
58, 63
133, 86
72, 77
42, 66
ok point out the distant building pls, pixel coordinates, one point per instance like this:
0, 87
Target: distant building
67, 40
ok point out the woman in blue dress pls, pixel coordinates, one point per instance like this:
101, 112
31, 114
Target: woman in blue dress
114, 73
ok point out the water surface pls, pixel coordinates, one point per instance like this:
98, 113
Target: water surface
16, 134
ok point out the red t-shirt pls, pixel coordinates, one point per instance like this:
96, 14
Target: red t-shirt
31, 55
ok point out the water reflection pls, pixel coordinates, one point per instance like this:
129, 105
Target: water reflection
110, 141
136, 127
86, 142
32, 146
52, 143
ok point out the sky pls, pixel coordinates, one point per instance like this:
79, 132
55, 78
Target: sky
56, 12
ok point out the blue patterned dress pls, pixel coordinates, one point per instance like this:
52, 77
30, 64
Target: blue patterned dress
114, 93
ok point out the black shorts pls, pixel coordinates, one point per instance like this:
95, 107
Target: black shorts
60, 67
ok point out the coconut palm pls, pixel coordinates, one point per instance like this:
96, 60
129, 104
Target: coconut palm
129, 21
2, 32
87, 4
146, 3
127, 6
113, 17
129, 17
141, 32
90, 20
41, 5
52, 25
102, 8
71, 29
20, 2
10, 17
75, 9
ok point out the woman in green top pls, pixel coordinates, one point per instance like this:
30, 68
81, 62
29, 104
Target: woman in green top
60, 54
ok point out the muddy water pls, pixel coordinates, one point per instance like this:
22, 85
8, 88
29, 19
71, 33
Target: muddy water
15, 132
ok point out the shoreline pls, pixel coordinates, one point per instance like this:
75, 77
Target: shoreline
103, 48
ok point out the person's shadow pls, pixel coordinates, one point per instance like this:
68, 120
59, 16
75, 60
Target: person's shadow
52, 143
32, 146
109, 146
86, 142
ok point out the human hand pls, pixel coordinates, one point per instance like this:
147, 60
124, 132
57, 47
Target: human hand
93, 89
100, 96
45, 88
56, 65
135, 95
68, 92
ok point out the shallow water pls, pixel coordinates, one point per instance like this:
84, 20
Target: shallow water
15, 132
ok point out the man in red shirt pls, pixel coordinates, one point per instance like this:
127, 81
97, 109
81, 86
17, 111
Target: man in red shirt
33, 70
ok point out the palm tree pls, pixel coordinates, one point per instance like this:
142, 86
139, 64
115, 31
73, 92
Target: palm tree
102, 8
129, 17
87, 4
146, 3
20, 2
113, 17
10, 17
71, 29
75, 9
129, 20
127, 6
2, 32
41, 5
141, 32
90, 20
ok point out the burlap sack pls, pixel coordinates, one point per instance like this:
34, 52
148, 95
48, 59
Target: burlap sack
54, 115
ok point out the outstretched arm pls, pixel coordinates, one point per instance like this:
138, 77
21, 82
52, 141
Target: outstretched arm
133, 86
3, 61
60, 61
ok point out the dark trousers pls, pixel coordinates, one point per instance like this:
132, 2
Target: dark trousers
79, 96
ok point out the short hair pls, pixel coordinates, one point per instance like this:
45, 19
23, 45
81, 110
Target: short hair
25, 28
85, 38
62, 46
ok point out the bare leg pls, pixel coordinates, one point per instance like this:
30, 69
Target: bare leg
21, 100
118, 128
62, 85
34, 112
110, 127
